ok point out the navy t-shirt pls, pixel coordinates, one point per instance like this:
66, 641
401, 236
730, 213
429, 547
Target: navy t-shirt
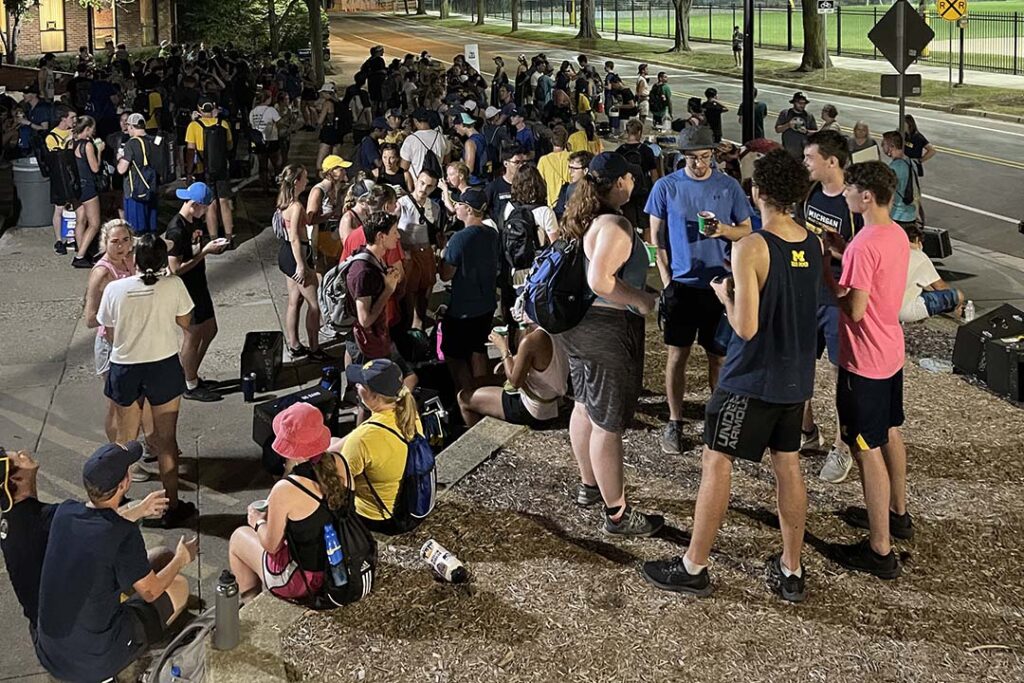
93, 556
474, 253
676, 199
28, 526
821, 212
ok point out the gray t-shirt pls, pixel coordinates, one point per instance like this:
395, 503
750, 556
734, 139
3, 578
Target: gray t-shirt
794, 139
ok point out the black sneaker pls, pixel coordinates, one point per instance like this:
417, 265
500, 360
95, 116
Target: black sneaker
60, 248
671, 575
791, 588
900, 526
231, 243
860, 557
81, 262
633, 524
320, 356
299, 351
175, 517
202, 394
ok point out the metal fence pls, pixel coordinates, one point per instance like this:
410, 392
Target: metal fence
990, 41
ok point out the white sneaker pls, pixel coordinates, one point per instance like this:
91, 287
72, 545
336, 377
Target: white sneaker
812, 440
837, 466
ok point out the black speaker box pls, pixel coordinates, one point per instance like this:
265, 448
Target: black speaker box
969, 353
263, 414
1006, 366
936, 243
263, 354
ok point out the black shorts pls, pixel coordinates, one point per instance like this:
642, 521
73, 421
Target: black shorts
158, 382
516, 413
150, 618
691, 313
221, 189
310, 94
202, 301
868, 408
462, 337
744, 427
330, 136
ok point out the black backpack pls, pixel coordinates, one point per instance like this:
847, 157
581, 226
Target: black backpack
430, 161
657, 99
642, 178
359, 553
40, 152
142, 181
907, 193
215, 151
65, 183
140, 105
542, 140
519, 241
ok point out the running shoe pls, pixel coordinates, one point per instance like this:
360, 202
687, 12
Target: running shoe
81, 262
791, 588
633, 524
671, 575
900, 526
811, 441
587, 495
299, 351
60, 248
860, 557
837, 466
231, 243
175, 517
320, 356
145, 469
672, 438
202, 394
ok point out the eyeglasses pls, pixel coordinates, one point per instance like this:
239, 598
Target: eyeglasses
699, 159
576, 168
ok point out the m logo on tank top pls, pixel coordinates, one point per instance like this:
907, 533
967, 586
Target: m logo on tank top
799, 258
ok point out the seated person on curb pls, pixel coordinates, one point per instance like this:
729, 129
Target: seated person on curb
298, 507
376, 450
25, 522
93, 557
536, 375
926, 294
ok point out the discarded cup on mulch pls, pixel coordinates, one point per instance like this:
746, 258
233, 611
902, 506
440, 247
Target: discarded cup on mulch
444, 563
937, 365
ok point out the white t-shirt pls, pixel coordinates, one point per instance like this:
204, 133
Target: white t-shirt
144, 318
545, 219
415, 147
920, 273
411, 225
264, 118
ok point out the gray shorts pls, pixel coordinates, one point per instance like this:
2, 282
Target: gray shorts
606, 362
101, 349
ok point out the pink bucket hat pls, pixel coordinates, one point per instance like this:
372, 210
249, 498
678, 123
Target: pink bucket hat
300, 433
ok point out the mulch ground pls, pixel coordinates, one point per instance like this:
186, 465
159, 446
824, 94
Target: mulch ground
552, 599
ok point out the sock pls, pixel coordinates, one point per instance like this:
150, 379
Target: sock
192, 384
691, 568
786, 572
612, 512
589, 487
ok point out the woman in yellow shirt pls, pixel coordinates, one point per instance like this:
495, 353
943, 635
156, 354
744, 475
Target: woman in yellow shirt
585, 137
376, 450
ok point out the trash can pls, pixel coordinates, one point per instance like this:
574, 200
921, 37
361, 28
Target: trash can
33, 193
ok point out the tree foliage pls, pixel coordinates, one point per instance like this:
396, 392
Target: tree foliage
246, 23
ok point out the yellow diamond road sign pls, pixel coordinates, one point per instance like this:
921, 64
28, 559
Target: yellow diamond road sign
951, 10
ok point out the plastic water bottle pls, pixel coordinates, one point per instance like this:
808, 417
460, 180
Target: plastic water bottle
969, 312
937, 365
444, 564
175, 673
334, 556
226, 622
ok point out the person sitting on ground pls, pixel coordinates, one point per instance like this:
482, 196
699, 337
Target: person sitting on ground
537, 375
926, 294
299, 505
93, 557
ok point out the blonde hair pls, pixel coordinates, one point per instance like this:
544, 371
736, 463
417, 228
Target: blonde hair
288, 180
405, 411
109, 227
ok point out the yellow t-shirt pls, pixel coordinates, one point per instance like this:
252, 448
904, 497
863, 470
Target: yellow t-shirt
554, 168
378, 455
194, 136
155, 102
582, 104
578, 142
57, 139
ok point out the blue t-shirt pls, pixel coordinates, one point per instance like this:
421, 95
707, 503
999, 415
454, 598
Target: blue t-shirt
676, 199
525, 139
369, 154
39, 114
92, 557
474, 253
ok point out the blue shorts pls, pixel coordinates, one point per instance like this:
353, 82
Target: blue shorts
141, 216
158, 382
828, 332
940, 301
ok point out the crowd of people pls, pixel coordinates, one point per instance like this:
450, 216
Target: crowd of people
769, 256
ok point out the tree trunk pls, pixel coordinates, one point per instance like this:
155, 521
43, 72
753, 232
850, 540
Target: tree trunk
275, 27
480, 12
814, 38
12, 34
445, 9
682, 27
514, 9
316, 36
421, 6
588, 24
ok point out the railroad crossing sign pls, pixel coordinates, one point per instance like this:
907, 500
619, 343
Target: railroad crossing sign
950, 10
827, 6
902, 50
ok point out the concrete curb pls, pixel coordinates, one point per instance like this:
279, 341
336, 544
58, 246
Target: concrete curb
995, 116
258, 657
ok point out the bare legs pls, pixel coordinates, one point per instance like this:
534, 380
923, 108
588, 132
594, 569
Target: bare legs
599, 457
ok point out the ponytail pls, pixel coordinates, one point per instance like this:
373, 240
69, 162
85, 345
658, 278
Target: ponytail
149, 277
590, 129
334, 489
150, 258
406, 413
585, 204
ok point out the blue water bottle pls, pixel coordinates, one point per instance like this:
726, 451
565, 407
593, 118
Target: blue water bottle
335, 556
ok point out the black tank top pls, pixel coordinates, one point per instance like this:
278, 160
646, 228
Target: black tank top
397, 179
777, 365
306, 536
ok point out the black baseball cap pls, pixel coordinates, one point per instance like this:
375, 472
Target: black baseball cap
109, 464
380, 376
473, 198
421, 115
610, 165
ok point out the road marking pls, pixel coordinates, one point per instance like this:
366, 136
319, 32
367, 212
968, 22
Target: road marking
982, 212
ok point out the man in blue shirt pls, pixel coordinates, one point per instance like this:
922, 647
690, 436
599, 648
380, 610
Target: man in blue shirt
524, 135
471, 264
368, 155
38, 118
688, 259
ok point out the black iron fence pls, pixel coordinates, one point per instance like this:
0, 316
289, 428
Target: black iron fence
989, 41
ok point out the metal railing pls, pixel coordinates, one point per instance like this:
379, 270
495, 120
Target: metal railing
990, 41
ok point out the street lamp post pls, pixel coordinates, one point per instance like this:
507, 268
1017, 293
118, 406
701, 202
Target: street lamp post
748, 71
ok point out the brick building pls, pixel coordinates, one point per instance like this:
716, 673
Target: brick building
64, 25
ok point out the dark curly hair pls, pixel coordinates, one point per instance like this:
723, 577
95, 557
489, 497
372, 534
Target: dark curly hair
378, 223
871, 176
781, 180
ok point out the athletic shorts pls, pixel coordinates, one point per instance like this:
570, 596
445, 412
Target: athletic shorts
868, 408
142, 216
150, 618
462, 337
158, 382
283, 578
222, 189
514, 411
203, 303
421, 274
101, 349
689, 314
828, 332
743, 427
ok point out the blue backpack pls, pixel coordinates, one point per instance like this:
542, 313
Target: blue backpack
417, 492
556, 295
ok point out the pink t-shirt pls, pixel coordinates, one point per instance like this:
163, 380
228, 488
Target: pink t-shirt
875, 262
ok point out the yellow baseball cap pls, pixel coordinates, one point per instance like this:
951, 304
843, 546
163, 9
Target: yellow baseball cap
332, 162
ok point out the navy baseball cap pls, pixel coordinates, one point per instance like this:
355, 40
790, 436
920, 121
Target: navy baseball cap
380, 123
196, 192
380, 376
611, 165
473, 198
107, 467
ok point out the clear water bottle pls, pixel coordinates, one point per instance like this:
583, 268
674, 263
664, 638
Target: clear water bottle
969, 311
334, 556
226, 620
444, 564
175, 673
